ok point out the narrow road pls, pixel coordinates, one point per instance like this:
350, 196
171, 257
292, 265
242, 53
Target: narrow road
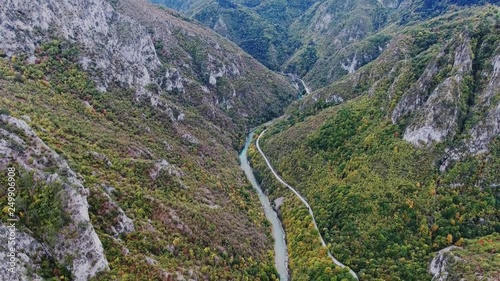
308, 91
338, 263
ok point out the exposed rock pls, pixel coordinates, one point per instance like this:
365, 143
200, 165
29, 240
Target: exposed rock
163, 165
190, 138
181, 117
26, 118
437, 117
77, 239
114, 44
122, 224
417, 94
390, 3
323, 22
171, 80
132, 44
351, 65
29, 254
220, 26
150, 261
489, 127
440, 264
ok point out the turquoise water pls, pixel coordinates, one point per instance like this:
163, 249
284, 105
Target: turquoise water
280, 250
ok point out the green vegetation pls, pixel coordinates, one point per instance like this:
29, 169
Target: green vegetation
314, 39
383, 205
475, 254
258, 30
379, 202
175, 217
308, 259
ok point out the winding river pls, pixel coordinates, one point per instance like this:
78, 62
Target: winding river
280, 250
311, 213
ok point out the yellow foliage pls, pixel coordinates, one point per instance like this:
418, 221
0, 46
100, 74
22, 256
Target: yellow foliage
449, 238
434, 227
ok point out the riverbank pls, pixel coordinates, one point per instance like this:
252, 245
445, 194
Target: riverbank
304, 201
308, 258
280, 246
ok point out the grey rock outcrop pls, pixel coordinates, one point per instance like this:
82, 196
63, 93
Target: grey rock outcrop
439, 265
77, 240
113, 44
488, 127
29, 255
437, 118
122, 224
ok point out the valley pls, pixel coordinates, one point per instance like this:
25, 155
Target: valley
367, 131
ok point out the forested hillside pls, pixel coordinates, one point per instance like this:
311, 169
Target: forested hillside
321, 41
407, 164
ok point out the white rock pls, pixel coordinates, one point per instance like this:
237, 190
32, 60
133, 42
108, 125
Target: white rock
77, 239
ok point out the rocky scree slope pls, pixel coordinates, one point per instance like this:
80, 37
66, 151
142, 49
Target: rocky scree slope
121, 119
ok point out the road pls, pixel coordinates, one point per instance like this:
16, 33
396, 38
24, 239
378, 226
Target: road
338, 263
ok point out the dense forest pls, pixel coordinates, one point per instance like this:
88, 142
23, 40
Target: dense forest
384, 205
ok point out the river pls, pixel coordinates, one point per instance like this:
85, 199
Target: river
280, 249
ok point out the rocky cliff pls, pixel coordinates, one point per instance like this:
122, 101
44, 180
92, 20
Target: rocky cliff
75, 242
441, 82
154, 51
122, 119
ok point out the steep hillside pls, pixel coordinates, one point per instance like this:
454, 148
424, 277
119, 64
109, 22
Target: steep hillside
164, 57
179, 5
399, 159
121, 120
321, 41
339, 37
259, 27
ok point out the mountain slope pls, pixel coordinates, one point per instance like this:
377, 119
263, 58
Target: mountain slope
321, 41
121, 120
127, 46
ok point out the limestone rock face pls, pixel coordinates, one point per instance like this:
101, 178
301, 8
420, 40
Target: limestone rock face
488, 127
132, 44
437, 118
77, 239
439, 264
29, 254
